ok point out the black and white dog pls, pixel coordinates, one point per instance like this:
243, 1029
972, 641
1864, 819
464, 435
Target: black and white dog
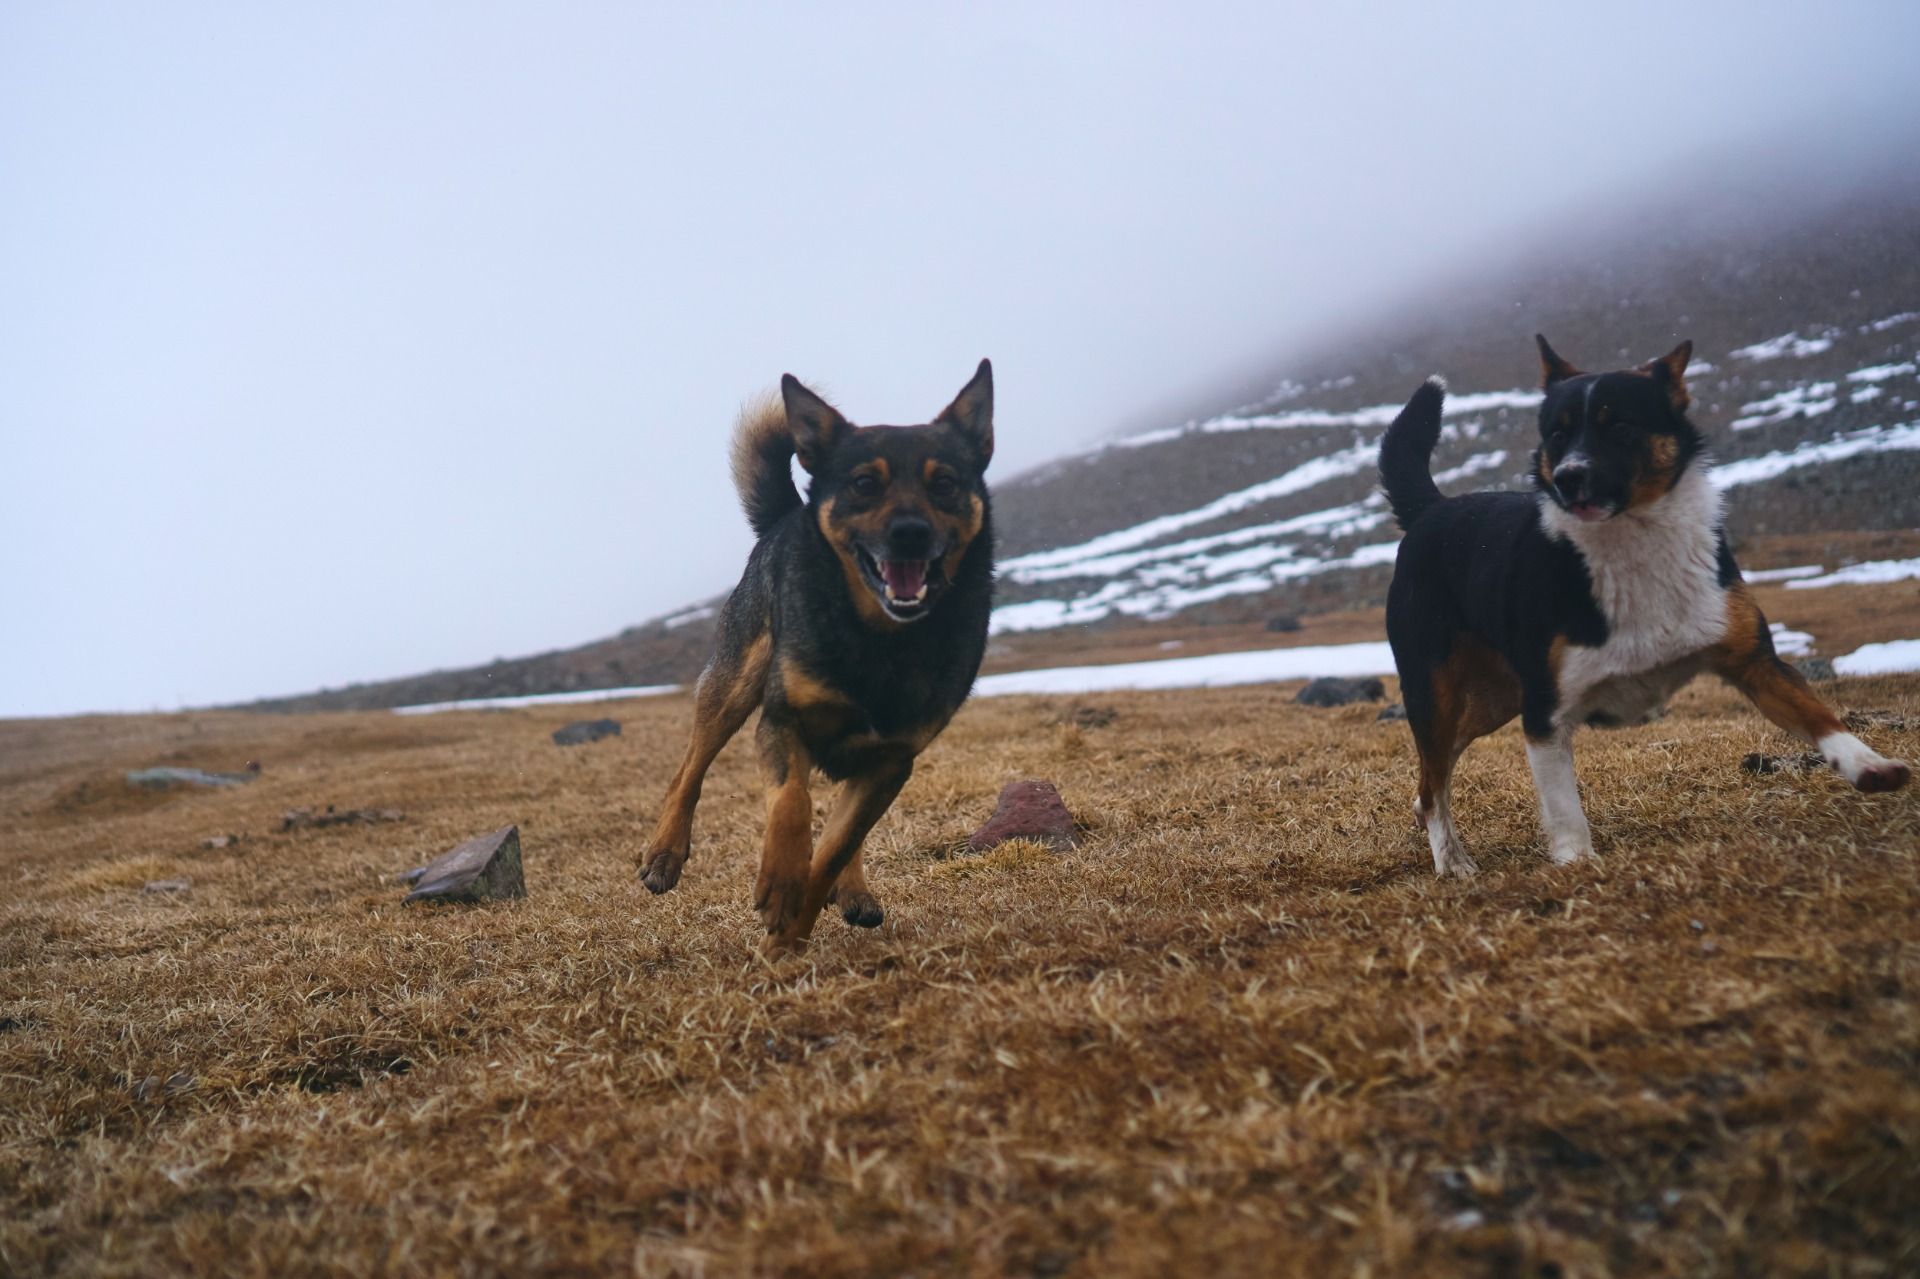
1591, 601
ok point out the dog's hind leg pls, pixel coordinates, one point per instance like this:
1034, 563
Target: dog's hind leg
858, 906
863, 800
1434, 809
1782, 695
729, 690
1745, 659
780, 892
1569, 839
1449, 707
1432, 715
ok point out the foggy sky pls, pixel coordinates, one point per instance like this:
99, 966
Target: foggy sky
343, 342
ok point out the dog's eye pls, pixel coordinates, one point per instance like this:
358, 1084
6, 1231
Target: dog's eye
943, 485
866, 486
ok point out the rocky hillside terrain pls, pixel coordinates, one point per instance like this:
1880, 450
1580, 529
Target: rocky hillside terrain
1806, 331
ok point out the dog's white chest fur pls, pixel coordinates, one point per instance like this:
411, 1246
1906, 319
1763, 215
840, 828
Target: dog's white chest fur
1656, 578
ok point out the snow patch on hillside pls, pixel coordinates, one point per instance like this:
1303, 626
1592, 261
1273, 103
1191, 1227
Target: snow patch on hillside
1871, 573
1789, 643
538, 699
1874, 439
1784, 574
1880, 372
1893, 657
1787, 344
1373, 415
1217, 670
1809, 400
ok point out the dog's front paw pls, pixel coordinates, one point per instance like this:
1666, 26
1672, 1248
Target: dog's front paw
1456, 864
781, 945
779, 901
662, 869
1888, 774
1565, 852
861, 909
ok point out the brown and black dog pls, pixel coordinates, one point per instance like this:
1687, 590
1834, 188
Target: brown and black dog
1590, 601
856, 631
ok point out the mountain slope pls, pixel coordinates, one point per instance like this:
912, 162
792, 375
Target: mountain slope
1806, 327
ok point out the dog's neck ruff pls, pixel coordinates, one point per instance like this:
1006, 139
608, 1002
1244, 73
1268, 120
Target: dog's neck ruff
1677, 532
1656, 579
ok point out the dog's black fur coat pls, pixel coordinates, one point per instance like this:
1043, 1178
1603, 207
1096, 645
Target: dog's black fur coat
856, 630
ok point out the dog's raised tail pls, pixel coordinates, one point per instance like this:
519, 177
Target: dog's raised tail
763, 463
1406, 453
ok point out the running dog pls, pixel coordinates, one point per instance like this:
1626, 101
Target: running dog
856, 631
1591, 601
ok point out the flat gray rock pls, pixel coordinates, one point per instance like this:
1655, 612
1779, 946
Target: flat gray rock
167, 886
303, 818
1331, 690
167, 778
1815, 669
586, 730
484, 868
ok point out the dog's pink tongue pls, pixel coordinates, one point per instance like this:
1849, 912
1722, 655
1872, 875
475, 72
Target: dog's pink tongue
905, 578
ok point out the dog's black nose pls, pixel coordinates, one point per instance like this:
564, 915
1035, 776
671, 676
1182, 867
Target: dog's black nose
910, 538
1571, 479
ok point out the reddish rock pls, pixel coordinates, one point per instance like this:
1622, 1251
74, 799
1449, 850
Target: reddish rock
1027, 810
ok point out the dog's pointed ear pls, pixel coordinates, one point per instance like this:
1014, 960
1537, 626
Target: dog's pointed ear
1671, 370
816, 425
971, 413
1553, 369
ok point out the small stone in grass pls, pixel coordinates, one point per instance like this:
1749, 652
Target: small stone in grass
482, 869
1027, 810
1332, 690
1282, 624
167, 886
220, 841
586, 730
1759, 762
168, 778
1392, 711
1815, 668
1090, 716
303, 818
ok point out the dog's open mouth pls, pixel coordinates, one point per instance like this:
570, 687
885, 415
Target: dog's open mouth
1590, 512
905, 587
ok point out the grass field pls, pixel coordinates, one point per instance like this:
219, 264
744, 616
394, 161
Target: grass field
1240, 1030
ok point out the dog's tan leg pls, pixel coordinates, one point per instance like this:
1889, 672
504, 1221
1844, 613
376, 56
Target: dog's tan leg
862, 801
728, 692
858, 906
1782, 695
780, 891
1463, 699
1745, 659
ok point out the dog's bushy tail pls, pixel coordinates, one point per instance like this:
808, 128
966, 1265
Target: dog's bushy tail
763, 463
1406, 453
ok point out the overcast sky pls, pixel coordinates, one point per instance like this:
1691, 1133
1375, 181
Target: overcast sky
343, 341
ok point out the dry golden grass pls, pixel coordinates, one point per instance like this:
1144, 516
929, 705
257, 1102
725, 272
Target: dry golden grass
1242, 1029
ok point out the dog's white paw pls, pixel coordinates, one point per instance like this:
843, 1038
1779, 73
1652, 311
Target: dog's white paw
1567, 850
